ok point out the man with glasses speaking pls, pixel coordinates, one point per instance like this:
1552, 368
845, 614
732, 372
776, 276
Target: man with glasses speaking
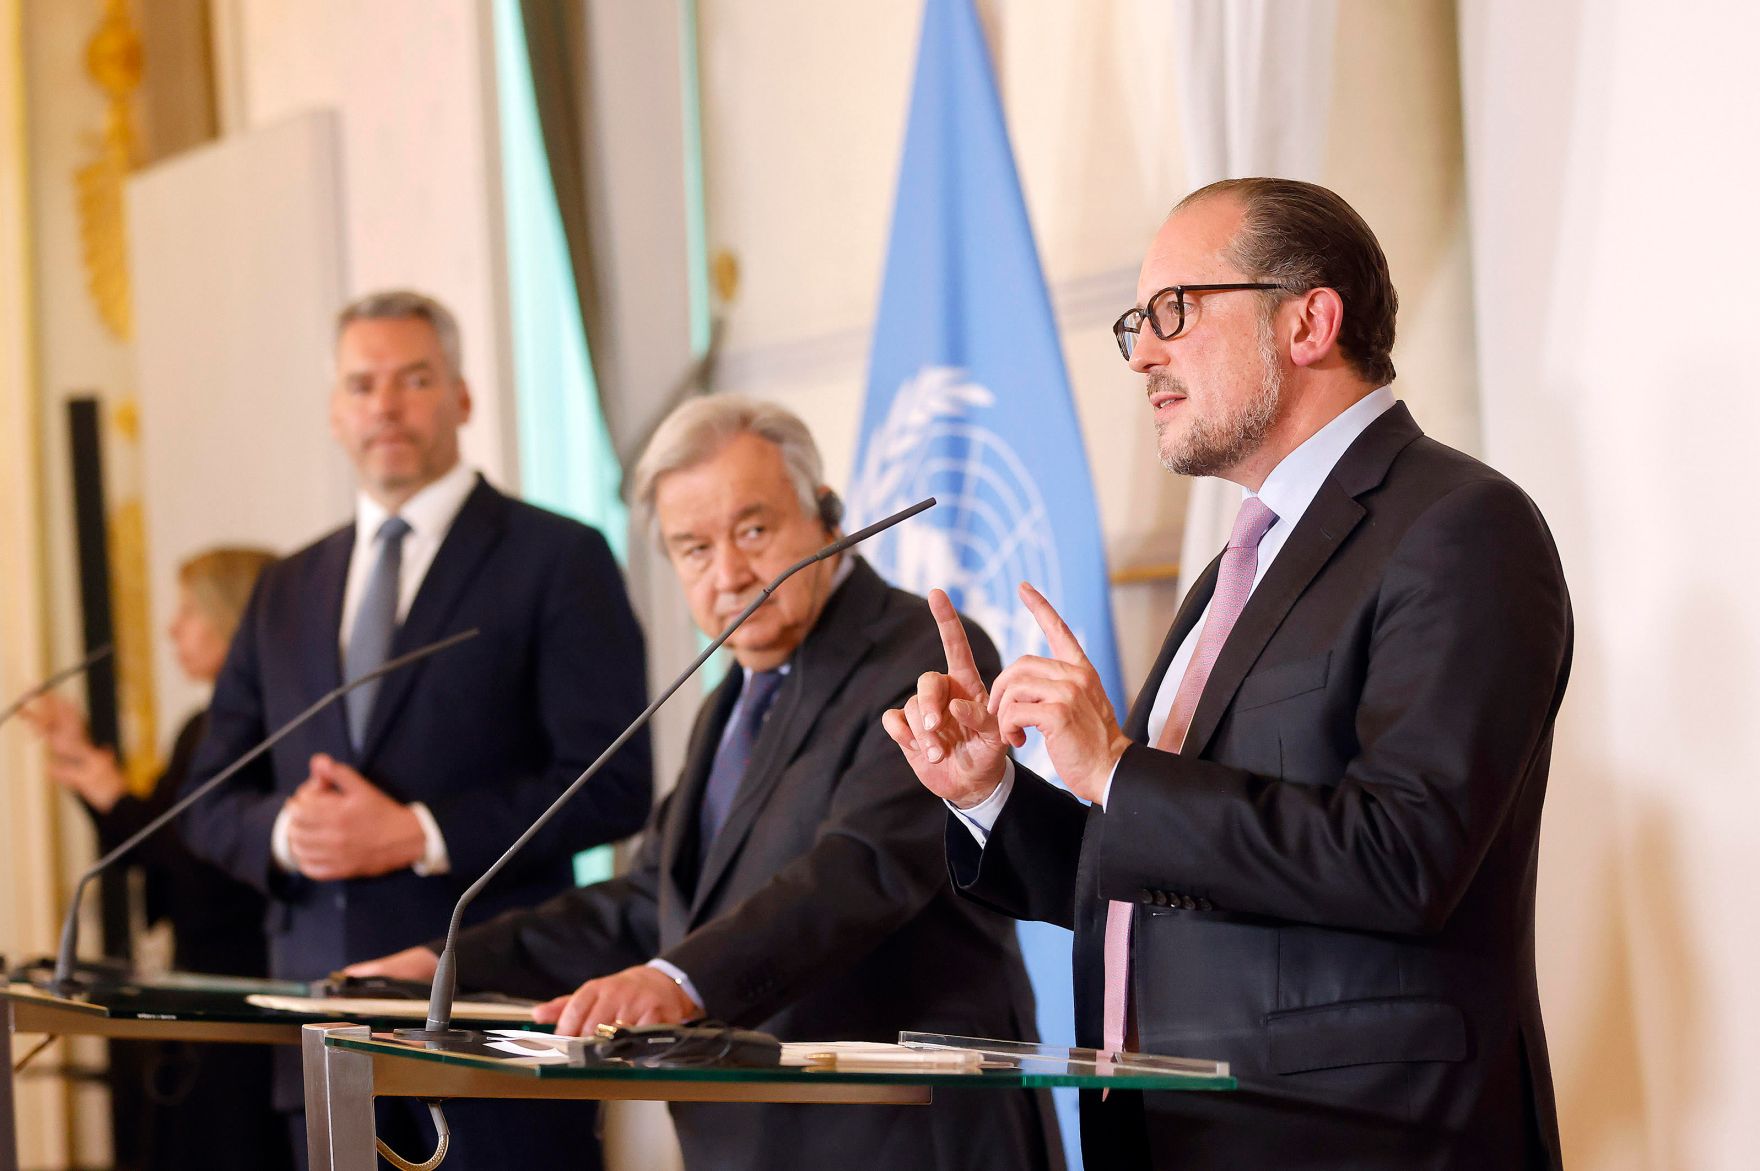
1310, 848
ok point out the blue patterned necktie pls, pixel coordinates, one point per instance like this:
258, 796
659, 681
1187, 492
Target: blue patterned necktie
734, 755
374, 623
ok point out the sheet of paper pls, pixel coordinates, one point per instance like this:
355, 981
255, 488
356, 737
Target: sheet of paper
537, 1048
415, 1010
879, 1057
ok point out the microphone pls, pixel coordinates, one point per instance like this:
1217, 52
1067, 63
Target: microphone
56, 680
445, 986
64, 982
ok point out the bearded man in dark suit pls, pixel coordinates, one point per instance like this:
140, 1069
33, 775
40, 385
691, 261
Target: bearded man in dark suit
366, 824
793, 880
1310, 850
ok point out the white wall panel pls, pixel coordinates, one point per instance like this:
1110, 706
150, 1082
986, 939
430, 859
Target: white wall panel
237, 260
411, 83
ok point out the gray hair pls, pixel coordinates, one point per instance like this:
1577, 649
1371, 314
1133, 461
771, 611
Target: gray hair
699, 428
404, 305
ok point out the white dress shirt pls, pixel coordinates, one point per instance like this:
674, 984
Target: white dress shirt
429, 514
1287, 491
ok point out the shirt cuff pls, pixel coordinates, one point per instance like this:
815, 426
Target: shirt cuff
980, 819
676, 974
279, 849
435, 860
1106, 792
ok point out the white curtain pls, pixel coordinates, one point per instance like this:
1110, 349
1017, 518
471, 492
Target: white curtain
1612, 163
1255, 81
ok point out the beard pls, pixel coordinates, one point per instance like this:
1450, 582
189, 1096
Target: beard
1211, 446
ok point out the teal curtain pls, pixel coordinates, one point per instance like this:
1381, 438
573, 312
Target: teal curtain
567, 462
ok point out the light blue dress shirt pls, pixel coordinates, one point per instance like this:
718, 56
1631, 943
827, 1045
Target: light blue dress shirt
1287, 491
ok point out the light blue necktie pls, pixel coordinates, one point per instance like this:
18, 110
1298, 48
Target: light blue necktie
374, 624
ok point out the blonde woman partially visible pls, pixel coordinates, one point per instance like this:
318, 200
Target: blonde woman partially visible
210, 1103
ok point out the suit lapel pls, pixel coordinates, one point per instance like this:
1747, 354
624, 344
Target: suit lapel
319, 642
837, 645
1136, 725
1328, 520
468, 542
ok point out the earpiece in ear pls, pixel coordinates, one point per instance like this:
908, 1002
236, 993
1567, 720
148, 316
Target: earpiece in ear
830, 509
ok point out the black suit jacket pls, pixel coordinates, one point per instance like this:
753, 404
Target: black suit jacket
486, 733
821, 911
1334, 880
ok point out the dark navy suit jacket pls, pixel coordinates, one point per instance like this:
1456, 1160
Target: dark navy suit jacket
486, 733
1333, 881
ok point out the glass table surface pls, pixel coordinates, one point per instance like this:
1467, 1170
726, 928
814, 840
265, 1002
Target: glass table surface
191, 996
1003, 1065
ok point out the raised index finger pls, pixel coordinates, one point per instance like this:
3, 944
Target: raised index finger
1057, 632
960, 663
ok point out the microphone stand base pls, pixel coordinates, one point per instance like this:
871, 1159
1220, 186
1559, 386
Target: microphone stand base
443, 1036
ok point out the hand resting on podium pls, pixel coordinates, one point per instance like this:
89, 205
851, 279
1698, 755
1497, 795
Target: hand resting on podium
635, 996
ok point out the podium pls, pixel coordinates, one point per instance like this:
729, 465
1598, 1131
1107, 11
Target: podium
174, 1007
348, 1065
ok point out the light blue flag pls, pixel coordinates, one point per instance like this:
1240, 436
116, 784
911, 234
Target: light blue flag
968, 401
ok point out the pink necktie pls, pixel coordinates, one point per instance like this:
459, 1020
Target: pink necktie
1234, 581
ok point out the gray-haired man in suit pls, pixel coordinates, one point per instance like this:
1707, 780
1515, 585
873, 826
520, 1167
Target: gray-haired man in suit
793, 880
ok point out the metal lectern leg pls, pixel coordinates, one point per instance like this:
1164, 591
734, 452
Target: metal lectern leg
8, 1115
339, 1100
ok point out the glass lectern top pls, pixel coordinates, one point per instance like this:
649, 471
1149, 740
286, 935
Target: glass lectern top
918, 1059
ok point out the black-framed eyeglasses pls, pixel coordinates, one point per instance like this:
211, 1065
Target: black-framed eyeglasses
1167, 313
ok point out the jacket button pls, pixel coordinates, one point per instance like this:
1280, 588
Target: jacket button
1188, 902
1205, 905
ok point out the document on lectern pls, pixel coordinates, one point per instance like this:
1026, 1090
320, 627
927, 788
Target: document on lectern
349, 1007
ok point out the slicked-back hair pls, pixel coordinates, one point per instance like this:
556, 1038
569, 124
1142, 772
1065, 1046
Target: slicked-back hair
699, 428
1304, 236
404, 305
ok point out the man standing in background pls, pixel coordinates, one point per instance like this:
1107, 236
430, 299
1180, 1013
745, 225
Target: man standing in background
1310, 850
366, 824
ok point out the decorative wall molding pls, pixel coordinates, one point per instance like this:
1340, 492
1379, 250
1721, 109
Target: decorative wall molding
1079, 303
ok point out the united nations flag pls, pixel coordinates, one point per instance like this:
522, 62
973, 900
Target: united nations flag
968, 401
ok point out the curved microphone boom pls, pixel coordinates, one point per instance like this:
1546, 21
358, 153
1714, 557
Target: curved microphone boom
445, 986
56, 680
64, 959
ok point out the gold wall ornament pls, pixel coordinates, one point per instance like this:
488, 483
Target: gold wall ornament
114, 60
131, 612
724, 274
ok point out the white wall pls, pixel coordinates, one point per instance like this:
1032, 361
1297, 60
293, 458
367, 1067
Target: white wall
412, 85
237, 265
1613, 160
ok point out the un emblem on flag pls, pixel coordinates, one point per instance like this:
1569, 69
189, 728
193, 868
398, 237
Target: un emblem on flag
990, 530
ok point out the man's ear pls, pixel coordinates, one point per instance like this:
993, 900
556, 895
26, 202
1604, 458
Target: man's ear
1319, 316
464, 401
